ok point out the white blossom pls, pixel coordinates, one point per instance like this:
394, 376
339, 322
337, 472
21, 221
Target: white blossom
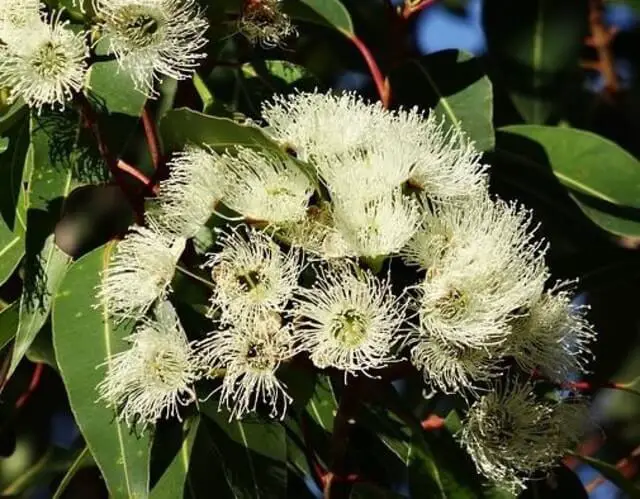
15, 17
349, 139
349, 320
315, 124
451, 368
378, 226
154, 377
189, 196
449, 165
316, 234
46, 64
140, 272
483, 268
264, 187
511, 434
252, 275
470, 229
264, 22
553, 336
249, 353
153, 38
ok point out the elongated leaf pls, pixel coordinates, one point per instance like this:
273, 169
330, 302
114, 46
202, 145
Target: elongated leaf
51, 265
454, 85
9, 319
84, 337
12, 115
58, 161
174, 479
329, 13
12, 202
612, 474
253, 453
180, 127
535, 46
601, 177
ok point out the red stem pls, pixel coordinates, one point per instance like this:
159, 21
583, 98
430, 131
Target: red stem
151, 135
33, 385
432, 422
126, 167
382, 84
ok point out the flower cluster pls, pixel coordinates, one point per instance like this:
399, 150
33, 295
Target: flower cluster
316, 237
44, 59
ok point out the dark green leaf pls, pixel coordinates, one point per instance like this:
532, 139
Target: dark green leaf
611, 473
371, 491
84, 338
12, 115
535, 46
455, 86
253, 453
12, 201
601, 177
9, 319
329, 13
173, 480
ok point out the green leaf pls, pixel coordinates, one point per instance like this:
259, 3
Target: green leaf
329, 13
4, 144
322, 406
180, 127
371, 491
84, 458
48, 268
454, 85
253, 454
12, 115
535, 46
58, 161
600, 176
113, 89
84, 338
12, 201
9, 319
612, 474
174, 479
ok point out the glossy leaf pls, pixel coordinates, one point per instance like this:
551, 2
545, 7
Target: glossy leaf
174, 479
84, 337
253, 454
454, 85
535, 46
180, 127
112, 89
329, 13
600, 176
9, 319
12, 201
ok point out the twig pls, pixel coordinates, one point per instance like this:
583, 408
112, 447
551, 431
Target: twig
33, 385
382, 84
627, 466
600, 39
412, 6
90, 120
126, 167
151, 135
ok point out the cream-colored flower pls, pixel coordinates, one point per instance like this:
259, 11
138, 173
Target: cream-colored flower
155, 376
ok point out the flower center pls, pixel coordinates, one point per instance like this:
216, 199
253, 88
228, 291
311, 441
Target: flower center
257, 357
140, 26
49, 60
452, 305
250, 280
349, 328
